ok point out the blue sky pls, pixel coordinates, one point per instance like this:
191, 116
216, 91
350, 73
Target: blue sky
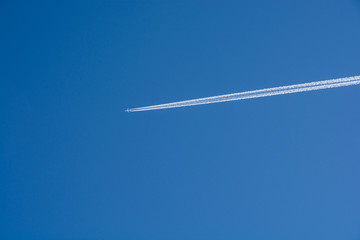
74, 165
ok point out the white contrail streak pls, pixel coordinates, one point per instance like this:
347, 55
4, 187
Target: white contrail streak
305, 87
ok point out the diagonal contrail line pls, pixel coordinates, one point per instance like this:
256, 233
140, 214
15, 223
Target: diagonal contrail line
304, 87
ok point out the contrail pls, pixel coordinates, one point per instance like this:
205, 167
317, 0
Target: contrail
304, 87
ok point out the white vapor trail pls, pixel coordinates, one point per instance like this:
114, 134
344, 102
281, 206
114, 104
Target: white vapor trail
305, 87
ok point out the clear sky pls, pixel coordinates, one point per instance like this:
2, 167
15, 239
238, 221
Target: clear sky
74, 165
